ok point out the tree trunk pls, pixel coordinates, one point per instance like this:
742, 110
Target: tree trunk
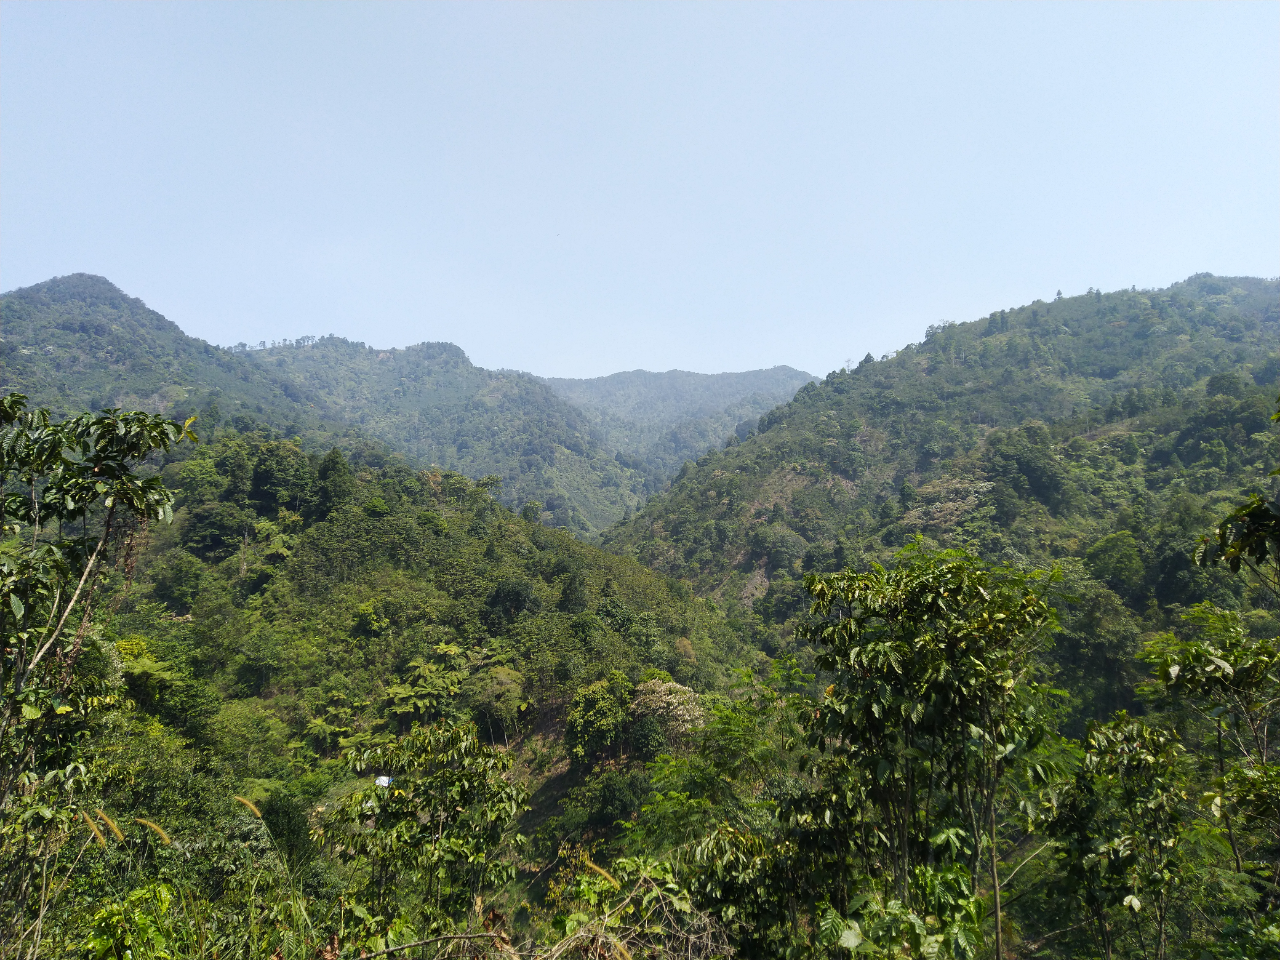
995, 884
1231, 833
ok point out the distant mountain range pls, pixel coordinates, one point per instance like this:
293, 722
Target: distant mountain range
590, 451
856, 457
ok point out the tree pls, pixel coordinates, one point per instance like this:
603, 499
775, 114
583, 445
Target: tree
934, 700
1232, 681
573, 595
512, 597
1115, 561
1248, 536
1119, 829
1227, 384
335, 483
597, 717
283, 478
673, 708
434, 822
71, 498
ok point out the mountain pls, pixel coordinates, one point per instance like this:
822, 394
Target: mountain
431, 404
279, 579
656, 421
1102, 432
78, 342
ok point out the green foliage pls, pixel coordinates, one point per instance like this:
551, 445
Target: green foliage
437, 825
1119, 828
1249, 536
134, 928
597, 716
1116, 561
1231, 680
71, 495
934, 698
313, 715
1078, 429
654, 422
270, 638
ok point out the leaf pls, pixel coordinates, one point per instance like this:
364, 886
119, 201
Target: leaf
30, 712
1133, 903
852, 936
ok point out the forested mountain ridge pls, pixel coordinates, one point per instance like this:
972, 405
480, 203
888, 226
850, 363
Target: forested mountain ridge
1101, 432
823, 467
649, 398
432, 404
657, 421
295, 614
77, 342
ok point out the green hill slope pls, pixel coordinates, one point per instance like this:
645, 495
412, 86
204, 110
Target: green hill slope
657, 421
1102, 431
432, 404
276, 676
78, 343
281, 581
295, 614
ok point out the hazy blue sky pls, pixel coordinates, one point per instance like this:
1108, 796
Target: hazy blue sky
575, 189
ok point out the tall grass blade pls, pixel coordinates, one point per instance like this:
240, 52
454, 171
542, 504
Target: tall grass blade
152, 826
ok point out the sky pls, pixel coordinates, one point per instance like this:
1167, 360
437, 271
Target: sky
576, 189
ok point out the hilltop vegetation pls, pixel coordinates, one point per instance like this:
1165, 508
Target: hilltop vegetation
432, 404
298, 612
77, 343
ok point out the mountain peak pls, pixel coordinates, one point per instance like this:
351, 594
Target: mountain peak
81, 287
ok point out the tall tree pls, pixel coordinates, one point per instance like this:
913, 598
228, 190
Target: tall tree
934, 700
71, 498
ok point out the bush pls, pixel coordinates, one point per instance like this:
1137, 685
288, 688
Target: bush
1116, 561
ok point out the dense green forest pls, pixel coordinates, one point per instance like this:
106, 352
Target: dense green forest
1100, 433
78, 343
967, 652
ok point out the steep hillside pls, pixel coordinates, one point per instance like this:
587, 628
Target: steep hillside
294, 615
1102, 431
657, 421
78, 343
341, 704
291, 582
431, 403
